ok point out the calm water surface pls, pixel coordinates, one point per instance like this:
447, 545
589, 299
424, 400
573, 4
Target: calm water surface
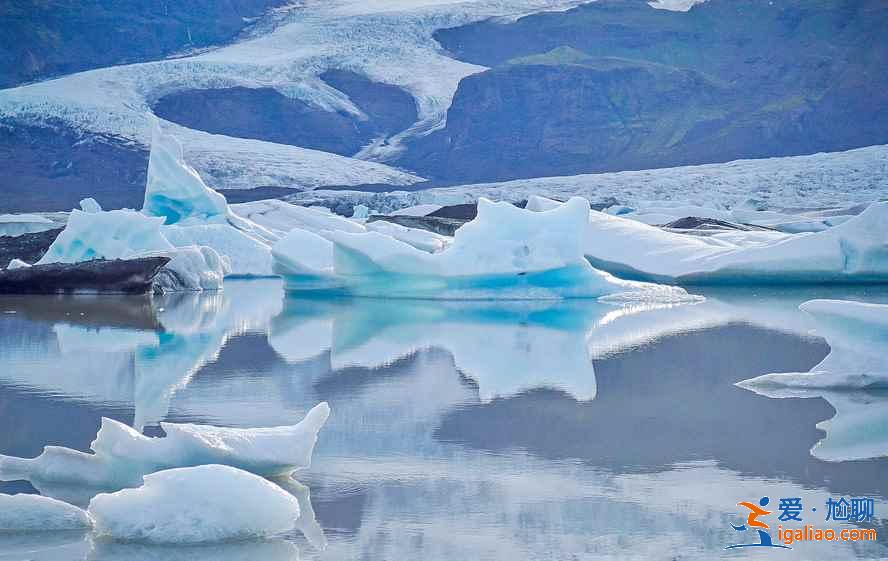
461, 430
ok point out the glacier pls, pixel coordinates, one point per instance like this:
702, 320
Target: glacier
797, 183
122, 456
389, 41
208, 503
34, 513
505, 253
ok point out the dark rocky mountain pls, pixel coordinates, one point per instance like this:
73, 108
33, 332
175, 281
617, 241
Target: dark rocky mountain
618, 85
52, 166
44, 38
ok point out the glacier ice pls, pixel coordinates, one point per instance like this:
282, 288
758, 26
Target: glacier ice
506, 252
17, 264
854, 251
418, 238
829, 180
32, 513
127, 234
89, 204
281, 217
207, 503
851, 378
116, 234
18, 224
122, 456
857, 334
360, 212
174, 189
389, 41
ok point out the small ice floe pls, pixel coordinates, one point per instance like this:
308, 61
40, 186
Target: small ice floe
17, 264
34, 513
857, 334
505, 253
852, 378
122, 456
207, 503
18, 224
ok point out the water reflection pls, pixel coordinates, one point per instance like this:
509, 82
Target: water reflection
466, 430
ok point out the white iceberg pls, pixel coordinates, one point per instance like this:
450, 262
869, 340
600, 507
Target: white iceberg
281, 217
851, 378
18, 224
209, 503
17, 264
33, 513
127, 234
195, 215
175, 190
425, 240
853, 251
857, 334
506, 252
122, 456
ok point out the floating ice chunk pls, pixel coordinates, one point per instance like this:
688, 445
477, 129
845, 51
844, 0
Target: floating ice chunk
281, 217
122, 455
18, 224
854, 251
304, 254
209, 503
537, 203
506, 252
192, 268
31, 513
857, 334
90, 205
418, 238
244, 254
116, 234
174, 189
17, 264
360, 212
127, 234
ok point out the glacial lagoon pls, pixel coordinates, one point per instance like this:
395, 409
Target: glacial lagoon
462, 430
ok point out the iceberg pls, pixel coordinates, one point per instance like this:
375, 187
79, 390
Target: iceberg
34, 513
127, 234
852, 378
857, 334
122, 456
175, 191
855, 251
506, 252
193, 214
208, 503
17, 264
18, 224
281, 217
